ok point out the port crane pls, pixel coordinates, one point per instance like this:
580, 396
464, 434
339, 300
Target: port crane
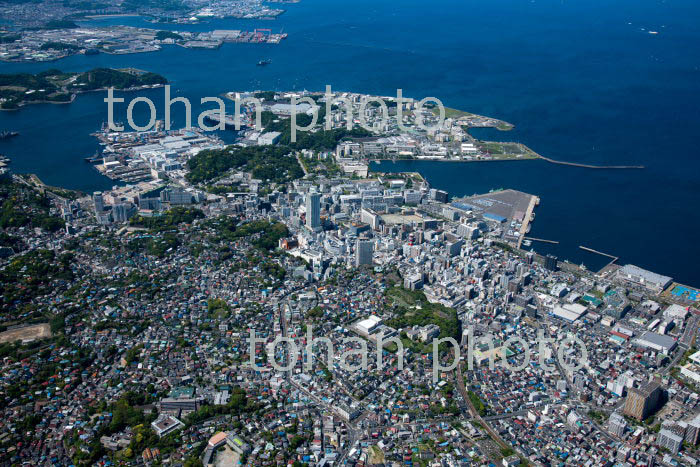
259, 34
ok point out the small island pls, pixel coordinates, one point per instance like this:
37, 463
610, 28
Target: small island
58, 87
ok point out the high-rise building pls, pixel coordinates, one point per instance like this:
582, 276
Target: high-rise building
617, 424
550, 262
573, 420
313, 211
453, 248
669, 440
120, 212
642, 401
363, 252
370, 217
692, 433
438, 195
176, 196
99, 202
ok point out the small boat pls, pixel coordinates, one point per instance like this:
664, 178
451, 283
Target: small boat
264, 62
8, 134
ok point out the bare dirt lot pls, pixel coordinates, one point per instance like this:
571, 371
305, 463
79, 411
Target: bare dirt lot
26, 333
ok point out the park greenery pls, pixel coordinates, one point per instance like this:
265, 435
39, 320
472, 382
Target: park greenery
169, 220
319, 140
56, 86
412, 308
55, 45
161, 238
263, 234
101, 78
273, 163
163, 35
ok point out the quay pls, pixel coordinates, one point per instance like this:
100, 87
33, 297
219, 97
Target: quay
527, 218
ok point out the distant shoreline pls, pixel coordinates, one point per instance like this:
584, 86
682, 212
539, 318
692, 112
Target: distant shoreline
115, 15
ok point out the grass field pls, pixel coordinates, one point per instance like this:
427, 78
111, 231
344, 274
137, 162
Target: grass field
507, 150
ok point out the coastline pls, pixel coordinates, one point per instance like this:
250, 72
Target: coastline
115, 15
439, 159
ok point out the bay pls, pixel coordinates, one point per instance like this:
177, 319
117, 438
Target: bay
581, 81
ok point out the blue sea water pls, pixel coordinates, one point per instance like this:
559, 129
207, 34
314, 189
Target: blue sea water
582, 81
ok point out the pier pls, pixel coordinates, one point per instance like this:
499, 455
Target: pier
527, 218
590, 166
554, 242
604, 268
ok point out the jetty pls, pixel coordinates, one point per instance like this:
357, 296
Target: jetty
591, 250
554, 242
607, 266
590, 166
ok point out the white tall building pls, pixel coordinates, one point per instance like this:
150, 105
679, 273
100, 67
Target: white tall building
99, 202
617, 424
120, 212
669, 440
313, 211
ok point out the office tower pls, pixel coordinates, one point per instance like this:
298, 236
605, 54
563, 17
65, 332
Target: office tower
363, 252
550, 263
643, 401
313, 211
120, 212
99, 202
